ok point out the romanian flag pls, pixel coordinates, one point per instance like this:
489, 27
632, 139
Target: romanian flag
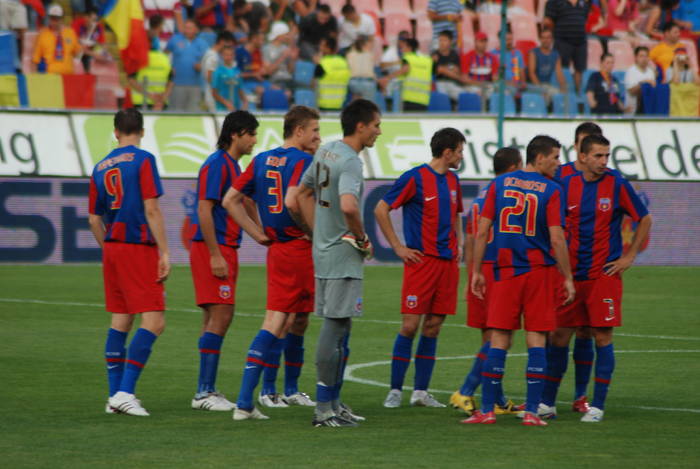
125, 18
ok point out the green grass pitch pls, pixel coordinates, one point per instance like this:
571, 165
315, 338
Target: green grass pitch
53, 386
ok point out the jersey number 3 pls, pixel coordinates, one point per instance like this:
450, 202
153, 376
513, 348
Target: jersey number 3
521, 201
276, 191
113, 186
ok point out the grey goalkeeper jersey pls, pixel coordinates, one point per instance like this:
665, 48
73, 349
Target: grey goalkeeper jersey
336, 170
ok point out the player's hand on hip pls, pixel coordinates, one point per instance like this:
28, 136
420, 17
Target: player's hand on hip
163, 268
263, 239
478, 284
219, 268
409, 255
618, 266
570, 291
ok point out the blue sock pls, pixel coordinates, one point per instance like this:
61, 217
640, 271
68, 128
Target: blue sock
535, 376
272, 366
492, 377
557, 361
139, 351
425, 362
604, 367
400, 360
583, 359
209, 352
343, 364
253, 367
473, 379
325, 393
293, 361
115, 355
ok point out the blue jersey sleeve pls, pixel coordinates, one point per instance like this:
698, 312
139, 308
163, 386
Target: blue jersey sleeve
211, 180
403, 190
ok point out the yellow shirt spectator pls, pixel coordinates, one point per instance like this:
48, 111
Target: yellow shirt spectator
662, 54
56, 49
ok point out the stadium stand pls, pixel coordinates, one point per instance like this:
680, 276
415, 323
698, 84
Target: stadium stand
396, 22
439, 102
274, 100
533, 104
623, 53
469, 102
509, 103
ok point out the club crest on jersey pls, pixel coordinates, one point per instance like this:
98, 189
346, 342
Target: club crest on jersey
358, 305
604, 204
611, 308
225, 291
411, 301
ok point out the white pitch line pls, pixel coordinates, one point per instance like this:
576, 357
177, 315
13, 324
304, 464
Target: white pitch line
360, 320
351, 368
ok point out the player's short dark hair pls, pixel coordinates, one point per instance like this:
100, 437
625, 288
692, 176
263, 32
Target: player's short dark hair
594, 139
605, 55
225, 36
236, 122
587, 128
669, 26
128, 121
348, 9
639, 49
155, 21
541, 145
359, 111
323, 8
447, 138
447, 33
412, 43
298, 116
505, 158
238, 4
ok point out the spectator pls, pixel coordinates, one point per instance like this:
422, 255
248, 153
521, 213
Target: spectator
314, 27
623, 16
211, 14
639, 73
226, 84
187, 51
689, 15
445, 15
568, 20
660, 16
390, 62
13, 16
544, 63
155, 28
56, 45
210, 62
182, 11
91, 34
251, 16
515, 66
352, 25
303, 8
448, 78
662, 54
363, 82
603, 91
417, 73
282, 10
155, 81
680, 70
280, 56
479, 67
249, 60
333, 76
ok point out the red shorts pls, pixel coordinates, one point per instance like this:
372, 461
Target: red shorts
430, 286
532, 294
290, 277
477, 309
209, 289
130, 274
597, 304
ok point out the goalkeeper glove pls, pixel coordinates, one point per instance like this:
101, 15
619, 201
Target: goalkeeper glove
363, 245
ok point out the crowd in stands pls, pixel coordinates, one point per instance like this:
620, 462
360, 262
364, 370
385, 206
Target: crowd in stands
564, 57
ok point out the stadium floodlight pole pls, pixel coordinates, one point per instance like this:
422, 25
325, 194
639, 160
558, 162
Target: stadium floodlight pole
502, 72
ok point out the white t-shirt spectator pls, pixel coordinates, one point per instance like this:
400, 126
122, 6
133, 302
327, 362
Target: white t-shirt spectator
634, 76
210, 61
348, 31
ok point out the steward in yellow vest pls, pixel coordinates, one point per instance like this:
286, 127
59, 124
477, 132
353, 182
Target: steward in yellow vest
416, 75
333, 76
157, 78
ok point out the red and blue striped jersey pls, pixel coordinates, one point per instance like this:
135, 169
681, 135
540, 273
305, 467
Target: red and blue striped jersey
430, 202
565, 170
594, 216
266, 180
473, 226
216, 176
119, 184
523, 205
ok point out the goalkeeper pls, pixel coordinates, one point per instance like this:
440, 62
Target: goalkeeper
431, 198
329, 199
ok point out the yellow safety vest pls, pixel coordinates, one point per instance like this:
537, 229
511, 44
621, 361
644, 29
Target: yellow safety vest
417, 82
333, 86
156, 74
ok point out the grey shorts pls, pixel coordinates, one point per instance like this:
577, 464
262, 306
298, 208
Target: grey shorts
338, 297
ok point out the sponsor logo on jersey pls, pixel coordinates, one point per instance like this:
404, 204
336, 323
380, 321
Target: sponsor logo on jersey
411, 301
604, 204
225, 291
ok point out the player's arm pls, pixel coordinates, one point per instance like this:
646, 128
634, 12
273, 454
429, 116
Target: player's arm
306, 201
561, 254
350, 208
154, 217
293, 204
251, 209
468, 250
206, 224
234, 203
482, 233
459, 232
623, 263
381, 213
97, 227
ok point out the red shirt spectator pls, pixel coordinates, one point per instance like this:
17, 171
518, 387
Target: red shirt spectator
479, 64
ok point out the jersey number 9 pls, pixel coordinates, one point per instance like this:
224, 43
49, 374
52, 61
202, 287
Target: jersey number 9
113, 186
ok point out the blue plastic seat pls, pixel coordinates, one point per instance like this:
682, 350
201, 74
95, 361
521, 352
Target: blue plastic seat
305, 98
509, 103
304, 73
274, 100
533, 104
560, 102
8, 58
469, 102
439, 102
